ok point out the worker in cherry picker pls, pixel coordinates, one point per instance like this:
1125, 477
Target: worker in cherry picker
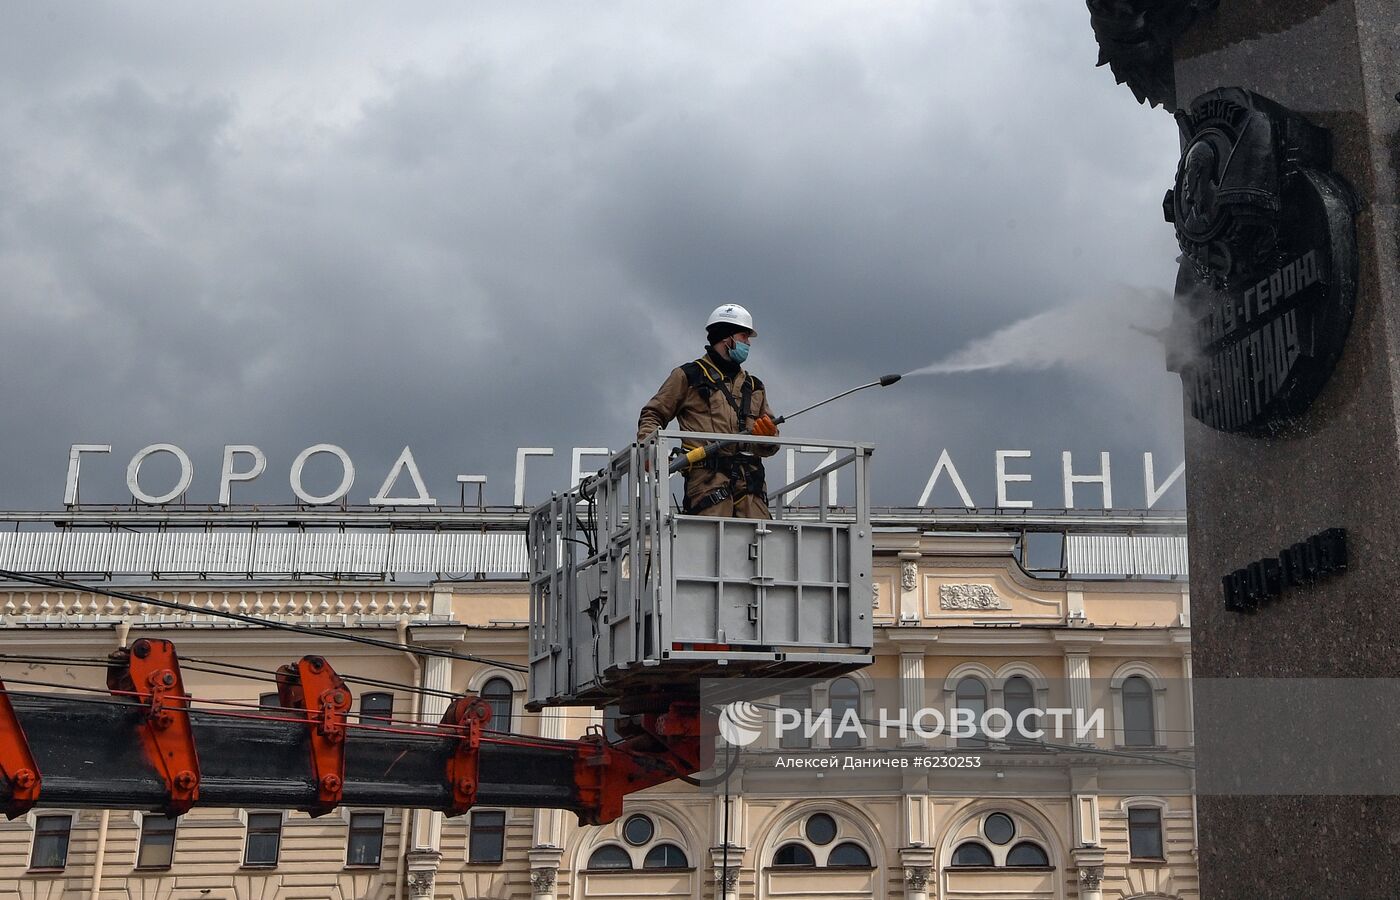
714, 394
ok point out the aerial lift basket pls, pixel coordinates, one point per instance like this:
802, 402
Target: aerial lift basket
633, 601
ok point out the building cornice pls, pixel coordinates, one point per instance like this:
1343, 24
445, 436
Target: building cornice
952, 639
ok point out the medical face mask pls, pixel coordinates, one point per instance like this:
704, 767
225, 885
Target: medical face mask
739, 352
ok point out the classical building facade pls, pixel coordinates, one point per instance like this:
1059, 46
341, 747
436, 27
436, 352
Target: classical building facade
959, 625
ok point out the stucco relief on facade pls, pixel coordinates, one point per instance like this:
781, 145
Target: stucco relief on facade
969, 596
909, 575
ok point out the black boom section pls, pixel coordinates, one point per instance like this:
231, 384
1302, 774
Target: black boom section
89, 754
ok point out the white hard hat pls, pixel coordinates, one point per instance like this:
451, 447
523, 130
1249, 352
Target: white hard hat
732, 314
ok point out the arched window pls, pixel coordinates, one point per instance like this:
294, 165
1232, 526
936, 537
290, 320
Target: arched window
1019, 696
794, 855
1027, 854
1139, 725
972, 854
665, 856
610, 856
845, 701
799, 700
377, 708
497, 692
972, 695
849, 854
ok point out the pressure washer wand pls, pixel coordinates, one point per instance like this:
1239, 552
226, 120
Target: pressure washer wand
884, 381
699, 454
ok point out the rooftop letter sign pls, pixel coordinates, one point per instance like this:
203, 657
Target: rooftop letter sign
1085, 482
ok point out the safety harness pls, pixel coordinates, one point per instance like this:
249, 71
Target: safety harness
745, 472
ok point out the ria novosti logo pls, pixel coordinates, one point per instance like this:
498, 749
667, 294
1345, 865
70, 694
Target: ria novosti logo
741, 723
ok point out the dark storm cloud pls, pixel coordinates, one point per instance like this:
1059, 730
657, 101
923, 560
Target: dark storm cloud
469, 231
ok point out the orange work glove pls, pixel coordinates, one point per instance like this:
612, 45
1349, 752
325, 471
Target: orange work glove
763, 427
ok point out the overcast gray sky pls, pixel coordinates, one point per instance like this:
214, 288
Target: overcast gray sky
472, 227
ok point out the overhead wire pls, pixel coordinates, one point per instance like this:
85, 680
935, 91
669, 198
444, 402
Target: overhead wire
185, 665
196, 664
237, 670
308, 630
1013, 743
586, 528
352, 679
265, 713
259, 713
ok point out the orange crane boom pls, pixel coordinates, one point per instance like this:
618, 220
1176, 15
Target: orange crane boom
148, 747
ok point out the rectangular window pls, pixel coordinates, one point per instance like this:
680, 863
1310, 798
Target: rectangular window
366, 839
50, 842
264, 839
487, 843
157, 847
1145, 832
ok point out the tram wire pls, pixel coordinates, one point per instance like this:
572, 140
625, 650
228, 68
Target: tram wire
268, 713
198, 664
308, 630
